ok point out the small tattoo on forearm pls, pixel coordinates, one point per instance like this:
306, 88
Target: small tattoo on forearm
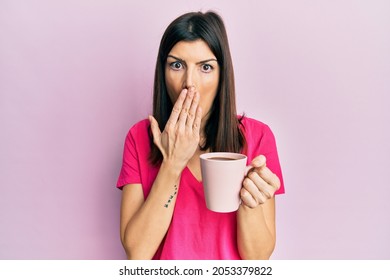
171, 197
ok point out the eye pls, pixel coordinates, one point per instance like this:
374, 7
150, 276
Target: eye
206, 68
177, 65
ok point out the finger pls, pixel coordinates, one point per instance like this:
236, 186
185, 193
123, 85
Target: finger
192, 111
247, 199
255, 192
270, 177
171, 123
266, 189
197, 121
185, 109
156, 132
259, 161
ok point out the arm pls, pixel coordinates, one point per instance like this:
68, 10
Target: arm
144, 223
256, 230
256, 234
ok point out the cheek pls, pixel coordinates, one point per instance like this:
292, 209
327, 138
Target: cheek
211, 82
207, 99
208, 89
173, 86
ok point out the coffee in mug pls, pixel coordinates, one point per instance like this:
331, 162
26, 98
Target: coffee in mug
221, 158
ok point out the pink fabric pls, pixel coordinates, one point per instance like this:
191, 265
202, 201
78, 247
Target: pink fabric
195, 232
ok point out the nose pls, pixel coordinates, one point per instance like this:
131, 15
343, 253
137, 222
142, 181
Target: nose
189, 78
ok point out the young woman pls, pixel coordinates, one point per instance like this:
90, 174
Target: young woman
163, 211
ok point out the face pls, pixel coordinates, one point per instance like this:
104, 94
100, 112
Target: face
192, 64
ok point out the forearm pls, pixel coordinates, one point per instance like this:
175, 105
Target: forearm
147, 228
255, 239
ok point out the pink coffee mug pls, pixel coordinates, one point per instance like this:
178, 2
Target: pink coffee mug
222, 176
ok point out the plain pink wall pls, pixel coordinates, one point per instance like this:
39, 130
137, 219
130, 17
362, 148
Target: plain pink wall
75, 75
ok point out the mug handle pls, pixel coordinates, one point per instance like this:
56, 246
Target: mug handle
248, 169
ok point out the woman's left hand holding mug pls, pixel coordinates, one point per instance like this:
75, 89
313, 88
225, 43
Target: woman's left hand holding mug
260, 184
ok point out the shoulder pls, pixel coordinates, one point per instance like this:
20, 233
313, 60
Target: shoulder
250, 125
138, 133
140, 129
257, 134
143, 124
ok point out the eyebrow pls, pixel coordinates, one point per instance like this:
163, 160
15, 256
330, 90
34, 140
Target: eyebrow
200, 62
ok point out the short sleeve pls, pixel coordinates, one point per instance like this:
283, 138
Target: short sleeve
268, 146
260, 140
130, 171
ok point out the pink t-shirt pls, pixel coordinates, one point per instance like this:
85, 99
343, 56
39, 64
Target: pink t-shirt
195, 232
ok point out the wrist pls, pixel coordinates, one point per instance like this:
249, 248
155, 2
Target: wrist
171, 168
246, 209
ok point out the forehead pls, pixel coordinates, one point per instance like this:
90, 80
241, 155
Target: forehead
192, 50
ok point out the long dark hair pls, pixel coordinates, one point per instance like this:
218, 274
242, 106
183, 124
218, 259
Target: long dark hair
222, 129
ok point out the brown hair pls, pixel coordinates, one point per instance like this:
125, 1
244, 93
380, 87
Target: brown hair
222, 128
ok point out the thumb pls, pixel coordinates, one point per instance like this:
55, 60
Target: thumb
256, 164
259, 161
155, 129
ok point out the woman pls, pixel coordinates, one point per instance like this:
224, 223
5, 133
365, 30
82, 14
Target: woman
163, 211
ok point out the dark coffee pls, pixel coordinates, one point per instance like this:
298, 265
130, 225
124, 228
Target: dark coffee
221, 158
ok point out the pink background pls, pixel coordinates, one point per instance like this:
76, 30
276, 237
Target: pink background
75, 75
